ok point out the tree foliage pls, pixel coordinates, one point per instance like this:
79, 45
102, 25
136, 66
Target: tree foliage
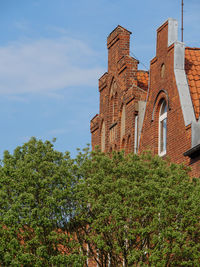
130, 210
138, 210
36, 205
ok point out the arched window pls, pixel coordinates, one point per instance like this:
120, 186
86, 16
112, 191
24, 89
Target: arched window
103, 137
162, 135
114, 107
113, 101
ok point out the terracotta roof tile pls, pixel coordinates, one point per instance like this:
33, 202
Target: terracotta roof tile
195, 96
142, 78
193, 71
192, 68
190, 77
198, 83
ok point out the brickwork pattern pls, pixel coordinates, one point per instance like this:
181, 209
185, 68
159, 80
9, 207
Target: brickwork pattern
119, 90
123, 86
163, 86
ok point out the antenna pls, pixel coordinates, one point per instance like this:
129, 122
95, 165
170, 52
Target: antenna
182, 22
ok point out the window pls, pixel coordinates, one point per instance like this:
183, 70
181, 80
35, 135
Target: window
162, 73
113, 102
162, 143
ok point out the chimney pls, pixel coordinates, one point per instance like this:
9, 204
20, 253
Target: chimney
167, 34
118, 44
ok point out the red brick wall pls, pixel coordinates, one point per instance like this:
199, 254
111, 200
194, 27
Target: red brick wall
178, 136
117, 87
122, 71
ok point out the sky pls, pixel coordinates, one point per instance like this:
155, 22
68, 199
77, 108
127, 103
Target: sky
52, 53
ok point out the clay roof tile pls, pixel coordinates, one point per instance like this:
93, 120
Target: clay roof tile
192, 68
192, 83
142, 78
198, 83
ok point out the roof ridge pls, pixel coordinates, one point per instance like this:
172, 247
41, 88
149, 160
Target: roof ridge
146, 71
119, 27
193, 48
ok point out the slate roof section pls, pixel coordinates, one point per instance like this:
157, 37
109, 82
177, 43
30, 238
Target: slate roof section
142, 79
192, 69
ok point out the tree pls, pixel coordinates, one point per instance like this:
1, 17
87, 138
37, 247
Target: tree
137, 210
117, 209
36, 206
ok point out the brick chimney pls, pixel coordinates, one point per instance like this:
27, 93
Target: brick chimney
118, 44
167, 34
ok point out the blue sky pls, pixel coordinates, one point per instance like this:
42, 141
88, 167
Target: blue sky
52, 53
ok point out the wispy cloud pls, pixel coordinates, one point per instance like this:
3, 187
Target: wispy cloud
16, 98
46, 65
59, 30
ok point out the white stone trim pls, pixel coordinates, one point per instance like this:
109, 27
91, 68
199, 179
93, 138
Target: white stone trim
136, 135
172, 31
182, 83
195, 134
141, 113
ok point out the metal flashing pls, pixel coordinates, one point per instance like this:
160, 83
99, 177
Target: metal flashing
193, 152
182, 84
172, 31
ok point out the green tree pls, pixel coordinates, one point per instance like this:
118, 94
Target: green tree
127, 210
36, 206
137, 211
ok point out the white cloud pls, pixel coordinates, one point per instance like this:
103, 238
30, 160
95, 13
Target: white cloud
17, 98
46, 65
59, 30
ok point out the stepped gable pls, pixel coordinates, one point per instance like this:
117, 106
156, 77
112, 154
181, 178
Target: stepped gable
192, 69
142, 79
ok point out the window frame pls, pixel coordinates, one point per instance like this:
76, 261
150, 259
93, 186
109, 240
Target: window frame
163, 134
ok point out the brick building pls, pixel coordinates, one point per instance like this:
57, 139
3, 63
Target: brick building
157, 110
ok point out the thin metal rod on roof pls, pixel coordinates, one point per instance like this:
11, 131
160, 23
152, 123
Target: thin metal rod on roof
139, 60
182, 22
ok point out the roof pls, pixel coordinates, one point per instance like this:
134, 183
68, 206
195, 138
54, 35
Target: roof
192, 69
142, 78
119, 27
